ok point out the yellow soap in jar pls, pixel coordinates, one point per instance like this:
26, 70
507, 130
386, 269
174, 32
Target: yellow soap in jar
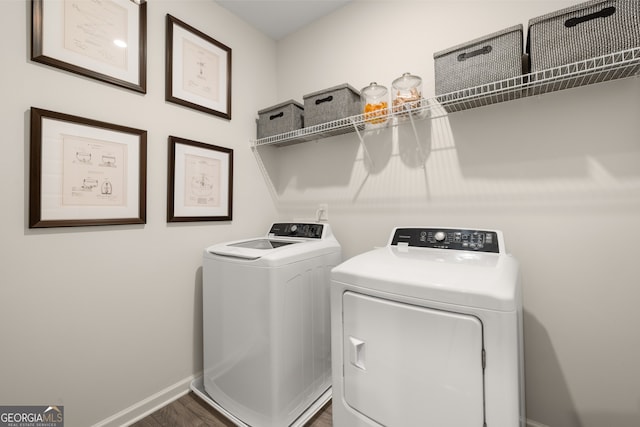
375, 105
376, 113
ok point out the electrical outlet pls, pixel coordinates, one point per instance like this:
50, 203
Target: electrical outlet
323, 212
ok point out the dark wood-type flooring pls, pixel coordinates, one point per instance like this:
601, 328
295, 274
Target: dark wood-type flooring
191, 411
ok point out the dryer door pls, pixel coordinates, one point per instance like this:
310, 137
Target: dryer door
406, 365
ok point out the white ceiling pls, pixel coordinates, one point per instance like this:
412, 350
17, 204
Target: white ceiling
278, 18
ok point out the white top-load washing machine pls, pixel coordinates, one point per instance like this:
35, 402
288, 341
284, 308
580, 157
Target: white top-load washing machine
427, 331
266, 325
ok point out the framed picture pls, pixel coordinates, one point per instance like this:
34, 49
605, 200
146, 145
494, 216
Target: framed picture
200, 186
198, 70
85, 172
103, 40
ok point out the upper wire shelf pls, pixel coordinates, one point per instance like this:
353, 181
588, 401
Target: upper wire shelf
612, 66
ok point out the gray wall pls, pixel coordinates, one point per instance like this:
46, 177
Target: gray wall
108, 319
557, 173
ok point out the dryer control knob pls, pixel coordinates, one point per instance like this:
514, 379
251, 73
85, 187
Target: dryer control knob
293, 228
440, 236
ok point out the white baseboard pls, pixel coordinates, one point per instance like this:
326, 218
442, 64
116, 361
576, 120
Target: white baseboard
160, 399
149, 405
531, 423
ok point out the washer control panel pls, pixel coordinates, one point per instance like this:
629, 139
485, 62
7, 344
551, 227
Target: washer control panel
447, 238
309, 231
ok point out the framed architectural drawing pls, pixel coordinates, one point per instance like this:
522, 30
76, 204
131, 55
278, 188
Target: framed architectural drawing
198, 70
85, 172
200, 185
103, 40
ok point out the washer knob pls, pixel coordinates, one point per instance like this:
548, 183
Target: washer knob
293, 228
440, 236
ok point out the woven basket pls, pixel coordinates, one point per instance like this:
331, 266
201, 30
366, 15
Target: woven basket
487, 59
285, 117
584, 31
331, 104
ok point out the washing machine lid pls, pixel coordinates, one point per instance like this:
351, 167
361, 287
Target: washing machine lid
262, 244
252, 249
285, 243
472, 278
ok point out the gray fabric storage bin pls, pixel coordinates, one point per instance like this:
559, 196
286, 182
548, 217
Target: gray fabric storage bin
583, 31
487, 59
285, 117
331, 104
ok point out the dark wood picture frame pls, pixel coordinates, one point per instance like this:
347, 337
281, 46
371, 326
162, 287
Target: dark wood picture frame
102, 183
200, 181
198, 70
73, 54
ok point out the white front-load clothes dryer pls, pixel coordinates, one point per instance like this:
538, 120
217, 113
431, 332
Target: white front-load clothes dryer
266, 325
427, 331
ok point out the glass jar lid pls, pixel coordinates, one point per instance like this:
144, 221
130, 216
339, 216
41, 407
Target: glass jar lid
374, 90
407, 82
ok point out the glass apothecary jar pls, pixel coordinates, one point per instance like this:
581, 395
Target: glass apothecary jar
375, 104
407, 93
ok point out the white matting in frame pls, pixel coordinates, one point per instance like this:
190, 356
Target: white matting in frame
104, 40
198, 70
201, 181
85, 172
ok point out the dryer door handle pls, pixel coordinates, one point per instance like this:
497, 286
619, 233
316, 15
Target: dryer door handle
357, 353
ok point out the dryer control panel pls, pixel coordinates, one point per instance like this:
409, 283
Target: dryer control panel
309, 231
447, 238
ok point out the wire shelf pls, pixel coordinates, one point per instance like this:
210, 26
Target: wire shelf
613, 66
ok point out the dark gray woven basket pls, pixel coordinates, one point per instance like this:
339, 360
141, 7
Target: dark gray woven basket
284, 117
331, 104
487, 59
584, 31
